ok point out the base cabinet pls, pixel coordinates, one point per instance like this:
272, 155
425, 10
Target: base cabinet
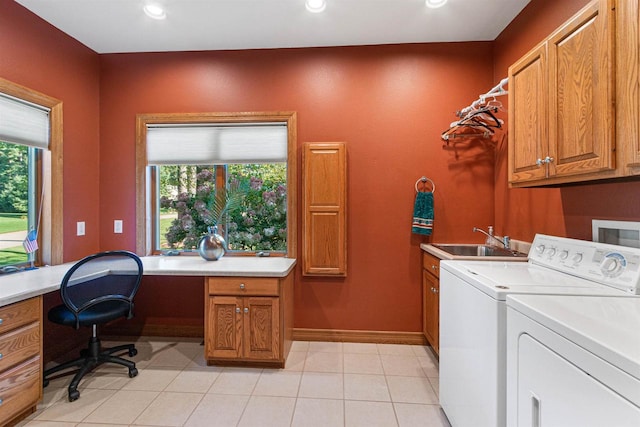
248, 320
431, 300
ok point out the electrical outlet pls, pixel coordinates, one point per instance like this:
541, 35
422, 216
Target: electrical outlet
80, 228
117, 226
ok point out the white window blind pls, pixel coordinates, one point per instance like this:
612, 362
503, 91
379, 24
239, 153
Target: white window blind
208, 144
22, 122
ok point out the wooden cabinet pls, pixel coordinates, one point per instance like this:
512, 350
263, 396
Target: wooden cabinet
20, 359
561, 103
324, 201
248, 319
431, 299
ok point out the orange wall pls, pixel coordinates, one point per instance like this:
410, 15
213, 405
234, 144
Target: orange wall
389, 103
565, 211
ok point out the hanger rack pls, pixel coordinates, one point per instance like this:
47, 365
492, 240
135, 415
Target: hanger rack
497, 90
423, 180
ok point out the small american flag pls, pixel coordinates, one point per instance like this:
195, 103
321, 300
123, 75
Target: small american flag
30, 242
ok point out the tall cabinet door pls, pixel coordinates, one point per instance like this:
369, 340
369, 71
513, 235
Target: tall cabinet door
261, 328
224, 320
628, 81
528, 114
581, 93
324, 205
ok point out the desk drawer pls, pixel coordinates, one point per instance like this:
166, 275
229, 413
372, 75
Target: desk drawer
18, 314
19, 389
431, 264
263, 286
19, 345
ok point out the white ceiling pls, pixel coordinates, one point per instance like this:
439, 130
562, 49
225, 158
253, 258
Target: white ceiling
112, 26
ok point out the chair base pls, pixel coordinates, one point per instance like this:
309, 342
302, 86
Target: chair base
94, 355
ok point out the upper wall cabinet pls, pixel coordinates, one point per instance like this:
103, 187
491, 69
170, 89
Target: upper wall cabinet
628, 83
561, 103
324, 196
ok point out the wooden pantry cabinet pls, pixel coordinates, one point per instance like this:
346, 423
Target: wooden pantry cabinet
20, 359
248, 320
561, 103
324, 205
431, 300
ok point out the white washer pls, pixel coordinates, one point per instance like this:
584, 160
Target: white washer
573, 361
473, 314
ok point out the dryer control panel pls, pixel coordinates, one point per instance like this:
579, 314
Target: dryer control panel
612, 265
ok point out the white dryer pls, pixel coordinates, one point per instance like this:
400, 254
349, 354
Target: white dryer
473, 315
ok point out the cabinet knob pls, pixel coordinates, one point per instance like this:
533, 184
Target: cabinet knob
242, 286
246, 310
1, 355
435, 290
237, 309
434, 267
1, 320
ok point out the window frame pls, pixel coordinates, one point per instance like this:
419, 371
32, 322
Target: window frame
49, 177
146, 187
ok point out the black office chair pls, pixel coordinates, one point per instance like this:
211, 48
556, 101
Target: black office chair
98, 289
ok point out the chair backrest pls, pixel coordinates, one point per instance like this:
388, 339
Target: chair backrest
105, 276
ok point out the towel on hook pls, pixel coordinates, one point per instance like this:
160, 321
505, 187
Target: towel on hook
423, 213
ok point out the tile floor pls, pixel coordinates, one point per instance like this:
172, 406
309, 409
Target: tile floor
323, 384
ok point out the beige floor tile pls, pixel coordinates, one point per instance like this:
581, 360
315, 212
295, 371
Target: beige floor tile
122, 408
411, 390
429, 366
268, 411
321, 385
278, 383
318, 413
358, 363
173, 356
169, 409
107, 378
217, 410
295, 361
101, 425
324, 362
300, 346
63, 410
402, 365
52, 395
325, 347
197, 380
366, 387
369, 414
152, 379
435, 383
35, 423
396, 349
422, 350
360, 348
411, 415
236, 381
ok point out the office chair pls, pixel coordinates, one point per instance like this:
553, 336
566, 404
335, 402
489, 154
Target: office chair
96, 290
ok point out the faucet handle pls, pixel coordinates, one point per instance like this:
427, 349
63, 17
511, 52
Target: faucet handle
506, 241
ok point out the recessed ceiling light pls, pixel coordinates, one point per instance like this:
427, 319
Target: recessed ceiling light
316, 6
155, 11
434, 4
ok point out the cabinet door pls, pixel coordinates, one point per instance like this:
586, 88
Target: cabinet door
324, 204
224, 336
261, 328
581, 93
528, 100
628, 82
431, 309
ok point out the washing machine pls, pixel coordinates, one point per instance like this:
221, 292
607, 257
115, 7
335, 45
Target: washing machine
573, 361
473, 315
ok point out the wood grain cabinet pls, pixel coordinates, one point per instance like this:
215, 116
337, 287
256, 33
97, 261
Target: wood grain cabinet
324, 201
561, 103
431, 299
20, 359
248, 319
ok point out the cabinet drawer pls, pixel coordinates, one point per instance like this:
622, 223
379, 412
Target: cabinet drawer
431, 264
243, 286
19, 389
19, 345
18, 314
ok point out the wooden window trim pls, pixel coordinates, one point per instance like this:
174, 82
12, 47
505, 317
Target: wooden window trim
144, 212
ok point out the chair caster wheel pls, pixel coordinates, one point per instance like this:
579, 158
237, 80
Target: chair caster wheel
45, 383
133, 372
74, 395
133, 352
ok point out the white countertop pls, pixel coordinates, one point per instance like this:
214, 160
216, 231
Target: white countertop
30, 283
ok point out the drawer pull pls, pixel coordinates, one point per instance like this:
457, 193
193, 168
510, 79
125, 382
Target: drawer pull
237, 309
246, 310
1, 320
1, 355
1, 401
242, 286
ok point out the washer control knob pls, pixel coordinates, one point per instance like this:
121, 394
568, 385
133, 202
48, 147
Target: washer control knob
613, 264
564, 254
550, 252
540, 249
577, 258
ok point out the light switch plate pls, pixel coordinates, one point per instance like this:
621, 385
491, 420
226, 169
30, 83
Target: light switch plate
117, 226
80, 228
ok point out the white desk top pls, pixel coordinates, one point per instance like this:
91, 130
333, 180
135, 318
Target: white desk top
27, 284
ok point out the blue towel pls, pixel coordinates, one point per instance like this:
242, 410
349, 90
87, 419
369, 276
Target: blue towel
423, 213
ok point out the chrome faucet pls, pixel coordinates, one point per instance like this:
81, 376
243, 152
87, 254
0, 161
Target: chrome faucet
505, 241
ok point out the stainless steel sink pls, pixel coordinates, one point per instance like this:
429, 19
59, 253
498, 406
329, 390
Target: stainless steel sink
478, 250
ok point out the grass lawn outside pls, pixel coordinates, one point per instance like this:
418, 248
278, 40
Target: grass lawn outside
165, 223
14, 255
10, 222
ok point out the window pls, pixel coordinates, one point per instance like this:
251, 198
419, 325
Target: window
186, 162
30, 175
